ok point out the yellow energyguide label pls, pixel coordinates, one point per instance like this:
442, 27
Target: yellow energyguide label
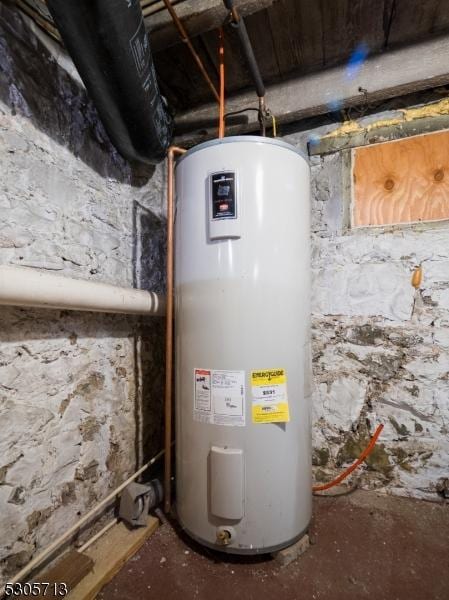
269, 396
268, 377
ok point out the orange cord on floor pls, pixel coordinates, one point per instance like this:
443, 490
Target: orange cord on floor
221, 124
349, 470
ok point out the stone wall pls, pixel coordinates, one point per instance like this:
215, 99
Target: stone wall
80, 393
380, 348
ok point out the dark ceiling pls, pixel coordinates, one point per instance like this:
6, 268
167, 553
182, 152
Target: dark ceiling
290, 37
297, 37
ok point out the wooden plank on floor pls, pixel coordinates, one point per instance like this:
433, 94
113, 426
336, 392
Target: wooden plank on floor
109, 554
404, 181
70, 570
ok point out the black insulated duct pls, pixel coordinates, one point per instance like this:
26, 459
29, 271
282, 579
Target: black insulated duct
110, 47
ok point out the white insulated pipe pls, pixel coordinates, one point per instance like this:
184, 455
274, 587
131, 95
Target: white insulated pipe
25, 286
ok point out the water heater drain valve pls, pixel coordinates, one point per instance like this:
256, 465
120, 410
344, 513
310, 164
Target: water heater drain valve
225, 535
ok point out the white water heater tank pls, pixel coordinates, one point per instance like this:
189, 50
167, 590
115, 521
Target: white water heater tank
242, 286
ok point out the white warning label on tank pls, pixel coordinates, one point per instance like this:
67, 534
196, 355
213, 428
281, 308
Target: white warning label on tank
219, 397
202, 391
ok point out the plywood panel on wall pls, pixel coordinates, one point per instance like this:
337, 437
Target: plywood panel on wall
403, 181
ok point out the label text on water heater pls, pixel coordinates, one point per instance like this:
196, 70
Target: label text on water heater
219, 397
224, 202
269, 393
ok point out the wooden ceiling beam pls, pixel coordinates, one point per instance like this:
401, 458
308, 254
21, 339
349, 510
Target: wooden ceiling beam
382, 76
197, 16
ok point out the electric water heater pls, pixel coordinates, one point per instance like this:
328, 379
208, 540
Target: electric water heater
242, 286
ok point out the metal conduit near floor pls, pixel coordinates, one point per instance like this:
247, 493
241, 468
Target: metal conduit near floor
69, 533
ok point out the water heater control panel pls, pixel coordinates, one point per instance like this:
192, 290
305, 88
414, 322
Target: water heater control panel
224, 218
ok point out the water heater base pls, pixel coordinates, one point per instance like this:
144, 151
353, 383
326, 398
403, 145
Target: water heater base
246, 551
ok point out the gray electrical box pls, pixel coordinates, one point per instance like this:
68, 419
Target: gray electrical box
137, 499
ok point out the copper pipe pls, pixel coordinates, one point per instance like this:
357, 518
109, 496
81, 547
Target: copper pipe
221, 124
349, 470
185, 38
169, 324
262, 113
234, 14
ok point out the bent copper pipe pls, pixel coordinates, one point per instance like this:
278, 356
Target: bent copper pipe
185, 38
169, 324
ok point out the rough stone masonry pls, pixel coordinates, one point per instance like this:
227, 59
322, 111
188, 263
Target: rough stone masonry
80, 393
77, 390
380, 348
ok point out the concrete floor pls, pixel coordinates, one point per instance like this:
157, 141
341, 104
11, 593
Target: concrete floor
364, 546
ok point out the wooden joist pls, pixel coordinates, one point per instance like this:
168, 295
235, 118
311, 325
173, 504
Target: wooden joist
197, 16
149, 7
38, 11
396, 73
410, 121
